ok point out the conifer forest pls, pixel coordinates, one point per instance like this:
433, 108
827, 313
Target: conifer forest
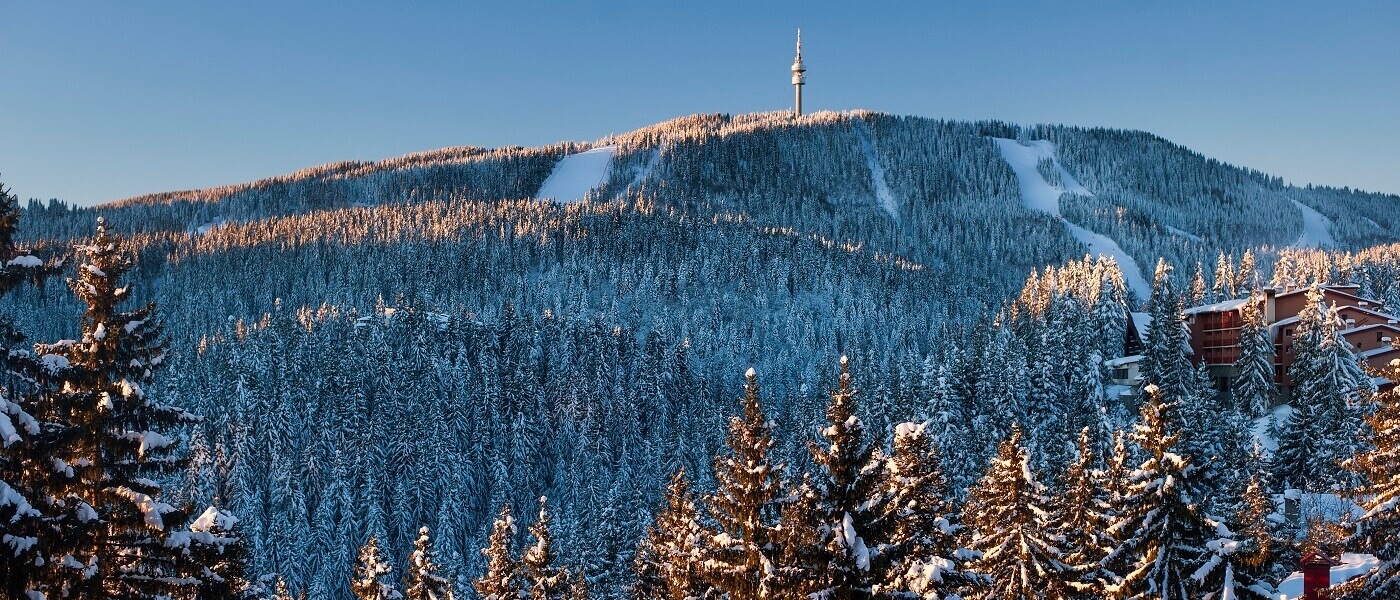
831, 356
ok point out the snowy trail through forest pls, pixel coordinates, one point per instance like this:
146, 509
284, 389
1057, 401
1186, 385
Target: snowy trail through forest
883, 196
1040, 195
1317, 228
577, 174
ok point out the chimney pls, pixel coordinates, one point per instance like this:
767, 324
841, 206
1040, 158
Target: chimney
1270, 294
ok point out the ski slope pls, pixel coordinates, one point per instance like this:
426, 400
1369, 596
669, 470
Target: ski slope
1040, 195
883, 196
1317, 228
577, 174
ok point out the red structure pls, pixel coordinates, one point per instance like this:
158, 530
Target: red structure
1215, 332
1317, 575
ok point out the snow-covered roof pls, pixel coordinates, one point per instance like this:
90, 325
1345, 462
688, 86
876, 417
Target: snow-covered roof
1122, 362
1382, 351
1141, 320
1360, 328
1217, 307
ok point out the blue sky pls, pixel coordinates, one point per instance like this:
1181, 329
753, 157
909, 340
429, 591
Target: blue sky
105, 100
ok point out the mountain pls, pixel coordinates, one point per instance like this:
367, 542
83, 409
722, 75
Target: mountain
382, 345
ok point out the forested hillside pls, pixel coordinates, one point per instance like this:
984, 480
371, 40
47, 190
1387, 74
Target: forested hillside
382, 346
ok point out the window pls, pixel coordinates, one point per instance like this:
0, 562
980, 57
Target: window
1288, 333
1120, 373
1380, 335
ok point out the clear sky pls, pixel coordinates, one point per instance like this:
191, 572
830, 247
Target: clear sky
104, 100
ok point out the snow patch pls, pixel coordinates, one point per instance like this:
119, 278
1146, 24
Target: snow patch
577, 174
1040, 195
883, 197
1183, 233
25, 262
1317, 228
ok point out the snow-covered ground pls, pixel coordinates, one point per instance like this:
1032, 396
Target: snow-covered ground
1183, 233
1317, 228
1261, 426
577, 174
877, 176
1040, 195
1352, 565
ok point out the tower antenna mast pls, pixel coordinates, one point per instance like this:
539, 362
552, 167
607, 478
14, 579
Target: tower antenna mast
799, 77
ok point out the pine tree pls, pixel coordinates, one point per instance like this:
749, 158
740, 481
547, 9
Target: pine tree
739, 553
849, 499
1008, 512
115, 526
421, 581
1224, 278
1247, 279
1378, 530
542, 578
921, 559
1327, 385
1162, 529
373, 575
1081, 521
1165, 362
666, 564
25, 465
1198, 294
502, 579
214, 555
1253, 388
1242, 554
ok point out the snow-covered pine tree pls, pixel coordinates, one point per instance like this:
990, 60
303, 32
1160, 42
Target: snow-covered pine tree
1008, 512
542, 578
1242, 551
502, 579
1378, 530
373, 578
214, 556
1247, 279
666, 563
739, 554
1224, 288
1165, 359
1081, 521
25, 466
921, 559
1162, 530
850, 500
1198, 294
117, 439
420, 580
1253, 388
1328, 383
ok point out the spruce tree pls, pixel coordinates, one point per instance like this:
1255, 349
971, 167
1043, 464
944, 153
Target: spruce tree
502, 579
421, 581
1253, 387
542, 578
115, 526
214, 556
850, 500
1162, 530
739, 557
373, 576
1377, 531
1328, 382
25, 466
1008, 511
1242, 554
921, 559
1081, 521
667, 561
1165, 361
1224, 288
